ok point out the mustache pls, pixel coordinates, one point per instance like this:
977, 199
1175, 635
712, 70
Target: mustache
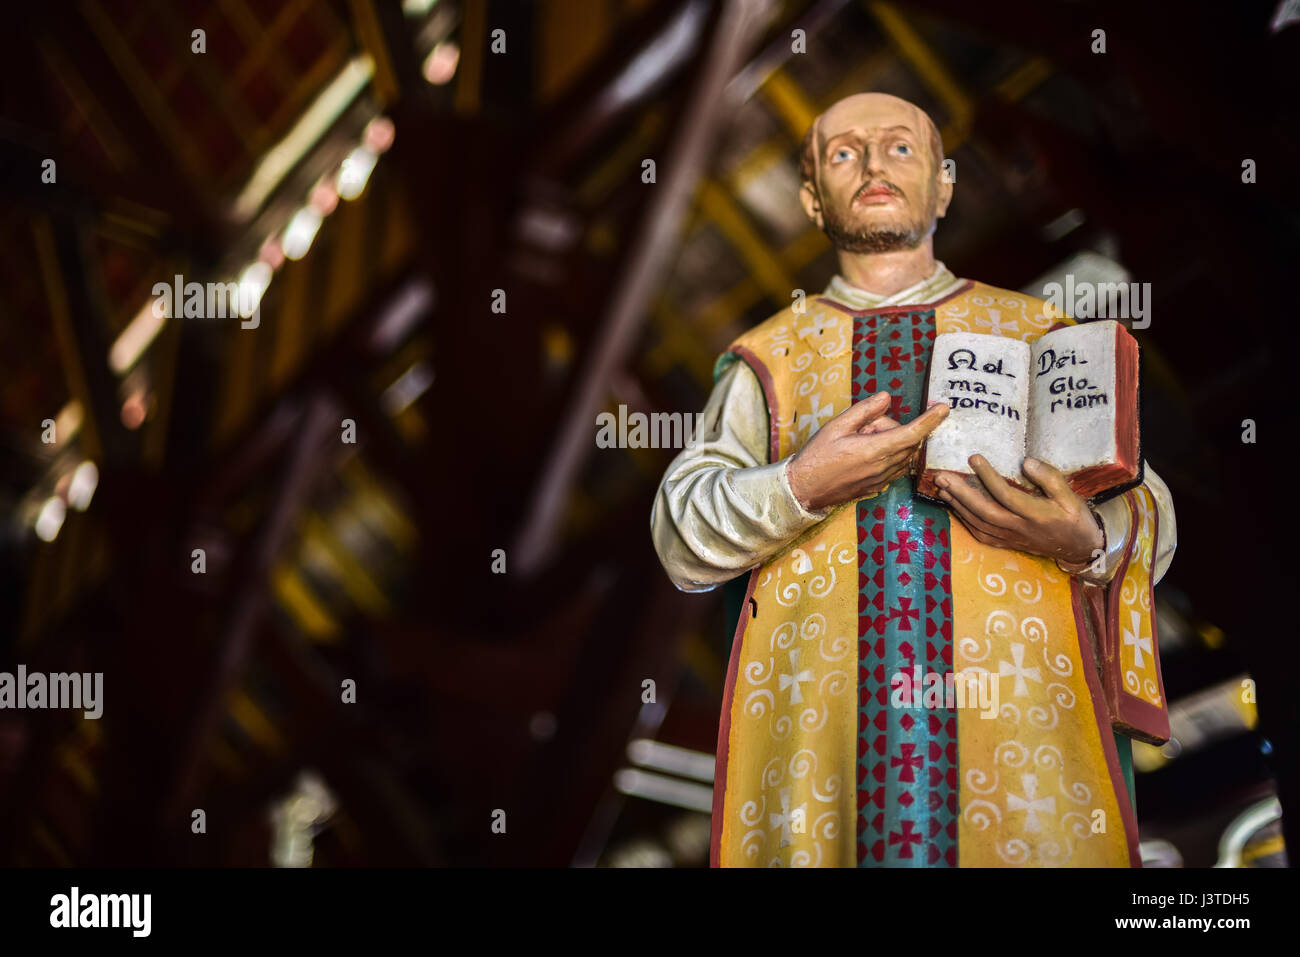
877, 184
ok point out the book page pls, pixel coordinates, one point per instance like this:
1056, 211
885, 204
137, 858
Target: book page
985, 379
1073, 397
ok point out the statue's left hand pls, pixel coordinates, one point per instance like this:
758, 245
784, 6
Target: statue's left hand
1056, 524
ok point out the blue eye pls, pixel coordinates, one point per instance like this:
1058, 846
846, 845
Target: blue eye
907, 150
842, 151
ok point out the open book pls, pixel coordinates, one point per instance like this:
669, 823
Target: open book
1069, 399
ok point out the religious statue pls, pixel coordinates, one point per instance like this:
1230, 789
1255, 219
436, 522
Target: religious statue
841, 741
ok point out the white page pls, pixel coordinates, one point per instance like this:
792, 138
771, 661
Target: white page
985, 380
1072, 397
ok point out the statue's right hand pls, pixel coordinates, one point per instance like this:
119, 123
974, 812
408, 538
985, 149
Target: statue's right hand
858, 452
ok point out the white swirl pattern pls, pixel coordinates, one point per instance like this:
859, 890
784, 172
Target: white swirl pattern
1023, 810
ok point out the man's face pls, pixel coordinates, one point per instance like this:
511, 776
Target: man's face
877, 186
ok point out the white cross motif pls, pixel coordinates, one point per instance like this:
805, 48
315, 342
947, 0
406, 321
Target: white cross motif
819, 325
795, 676
786, 816
812, 420
1028, 803
1139, 641
994, 322
1007, 668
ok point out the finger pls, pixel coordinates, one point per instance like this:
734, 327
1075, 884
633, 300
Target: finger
974, 524
883, 424
1051, 480
887, 462
897, 470
978, 502
1006, 494
916, 431
880, 444
861, 413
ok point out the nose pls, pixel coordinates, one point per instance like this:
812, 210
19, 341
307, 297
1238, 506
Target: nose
873, 161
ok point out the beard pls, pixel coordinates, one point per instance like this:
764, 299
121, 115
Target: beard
884, 238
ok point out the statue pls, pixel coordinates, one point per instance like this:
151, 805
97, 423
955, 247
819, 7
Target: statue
845, 737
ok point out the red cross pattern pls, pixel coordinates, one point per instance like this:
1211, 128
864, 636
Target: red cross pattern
907, 838
904, 546
908, 761
904, 612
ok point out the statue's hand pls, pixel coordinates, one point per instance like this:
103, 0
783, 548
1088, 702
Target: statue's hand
858, 452
1057, 524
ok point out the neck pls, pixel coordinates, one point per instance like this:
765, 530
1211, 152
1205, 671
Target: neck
888, 273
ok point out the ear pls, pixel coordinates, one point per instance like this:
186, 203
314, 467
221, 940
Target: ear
812, 206
944, 195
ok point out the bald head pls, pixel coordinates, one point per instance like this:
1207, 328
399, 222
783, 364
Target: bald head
880, 106
872, 174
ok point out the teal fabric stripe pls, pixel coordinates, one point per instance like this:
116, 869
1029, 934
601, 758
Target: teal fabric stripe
1125, 748
907, 756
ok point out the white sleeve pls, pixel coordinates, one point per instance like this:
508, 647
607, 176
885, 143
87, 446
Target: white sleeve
1167, 531
1115, 519
721, 509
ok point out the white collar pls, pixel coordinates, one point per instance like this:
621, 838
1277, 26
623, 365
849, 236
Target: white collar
936, 286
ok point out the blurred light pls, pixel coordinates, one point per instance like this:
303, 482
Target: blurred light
355, 172
440, 65
674, 760
400, 314
1238, 833
640, 854
1159, 854
558, 346
687, 836
135, 338
300, 232
272, 253
324, 198
50, 519
252, 286
658, 60
665, 790
298, 818
1064, 224
84, 481
317, 119
378, 135
417, 8
1287, 13
68, 422
552, 229
412, 384
1086, 266
542, 726
134, 410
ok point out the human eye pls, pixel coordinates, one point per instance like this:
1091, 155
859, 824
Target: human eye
903, 149
841, 153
